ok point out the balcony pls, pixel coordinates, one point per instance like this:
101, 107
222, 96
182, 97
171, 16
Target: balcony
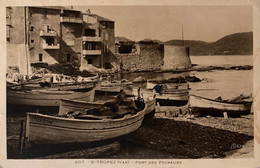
89, 38
49, 34
50, 47
66, 19
91, 52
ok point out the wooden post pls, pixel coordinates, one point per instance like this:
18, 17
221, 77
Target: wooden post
225, 115
37, 109
21, 137
26, 143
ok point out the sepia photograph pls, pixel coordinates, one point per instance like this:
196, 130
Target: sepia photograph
134, 85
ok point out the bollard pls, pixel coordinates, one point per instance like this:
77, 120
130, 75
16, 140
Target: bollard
225, 115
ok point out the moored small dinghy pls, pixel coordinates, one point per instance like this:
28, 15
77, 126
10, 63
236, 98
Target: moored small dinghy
205, 106
169, 95
176, 98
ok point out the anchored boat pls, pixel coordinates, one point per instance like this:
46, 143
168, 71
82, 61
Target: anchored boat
168, 98
202, 105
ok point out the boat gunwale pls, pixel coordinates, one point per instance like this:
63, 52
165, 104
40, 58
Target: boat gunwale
80, 101
139, 113
85, 129
230, 103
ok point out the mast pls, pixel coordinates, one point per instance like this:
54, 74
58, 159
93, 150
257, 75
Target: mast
26, 38
182, 35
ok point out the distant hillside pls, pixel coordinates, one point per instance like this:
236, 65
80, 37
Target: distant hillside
151, 41
122, 39
234, 44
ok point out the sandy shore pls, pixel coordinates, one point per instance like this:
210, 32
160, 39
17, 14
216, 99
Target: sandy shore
161, 138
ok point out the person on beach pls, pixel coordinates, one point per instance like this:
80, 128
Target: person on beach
158, 89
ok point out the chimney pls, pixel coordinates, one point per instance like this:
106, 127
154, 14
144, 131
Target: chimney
88, 11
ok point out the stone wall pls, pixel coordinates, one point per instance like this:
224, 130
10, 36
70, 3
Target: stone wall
176, 57
16, 56
147, 58
16, 50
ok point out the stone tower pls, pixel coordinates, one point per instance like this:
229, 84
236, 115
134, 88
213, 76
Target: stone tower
176, 57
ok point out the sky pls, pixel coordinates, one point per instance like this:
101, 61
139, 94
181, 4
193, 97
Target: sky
206, 23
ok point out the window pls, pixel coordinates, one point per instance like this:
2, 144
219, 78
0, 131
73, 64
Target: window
104, 25
92, 46
108, 65
32, 41
48, 28
31, 28
8, 33
99, 32
40, 57
68, 57
90, 32
89, 61
50, 41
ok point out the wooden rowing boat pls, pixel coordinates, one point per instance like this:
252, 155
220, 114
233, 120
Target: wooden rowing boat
113, 88
78, 105
168, 86
149, 100
83, 85
45, 129
205, 106
168, 98
170, 95
151, 86
178, 98
47, 97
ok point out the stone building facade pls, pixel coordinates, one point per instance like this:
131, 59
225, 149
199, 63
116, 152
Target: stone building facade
98, 42
154, 56
16, 38
58, 35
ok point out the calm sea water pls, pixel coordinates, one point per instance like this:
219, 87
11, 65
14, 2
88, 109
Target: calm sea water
222, 60
227, 84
